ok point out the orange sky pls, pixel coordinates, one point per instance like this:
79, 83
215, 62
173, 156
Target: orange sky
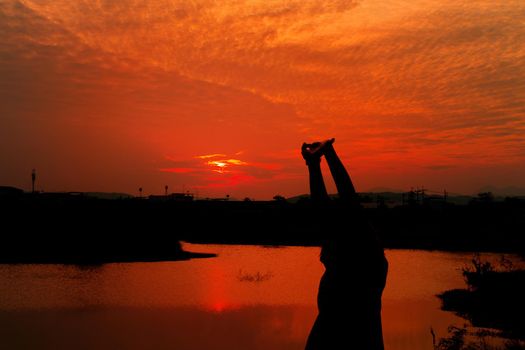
116, 95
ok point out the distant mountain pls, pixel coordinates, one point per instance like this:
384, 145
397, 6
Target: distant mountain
107, 195
365, 197
10, 191
385, 190
392, 198
296, 199
504, 191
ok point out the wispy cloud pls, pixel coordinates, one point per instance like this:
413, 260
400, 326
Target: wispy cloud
177, 170
427, 82
215, 155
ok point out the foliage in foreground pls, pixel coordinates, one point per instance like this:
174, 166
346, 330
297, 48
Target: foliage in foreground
494, 299
460, 339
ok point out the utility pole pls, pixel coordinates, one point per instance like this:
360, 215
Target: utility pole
166, 190
33, 179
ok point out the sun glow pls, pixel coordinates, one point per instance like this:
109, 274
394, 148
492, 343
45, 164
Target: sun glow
220, 165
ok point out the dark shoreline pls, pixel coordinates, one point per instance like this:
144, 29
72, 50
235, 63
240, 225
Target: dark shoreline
65, 227
96, 260
493, 299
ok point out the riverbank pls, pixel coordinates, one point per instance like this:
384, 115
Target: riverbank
493, 300
61, 227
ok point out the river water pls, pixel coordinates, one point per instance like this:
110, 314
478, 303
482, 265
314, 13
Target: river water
249, 297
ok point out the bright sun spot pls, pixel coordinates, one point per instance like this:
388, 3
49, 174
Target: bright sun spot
220, 165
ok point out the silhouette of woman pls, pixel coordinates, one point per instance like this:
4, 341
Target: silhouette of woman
349, 298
